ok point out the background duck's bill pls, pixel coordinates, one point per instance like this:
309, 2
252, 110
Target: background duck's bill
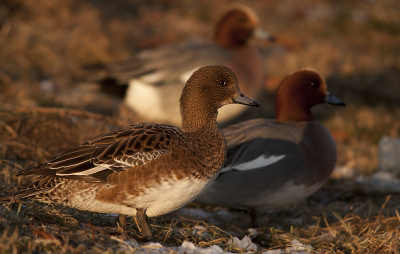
333, 100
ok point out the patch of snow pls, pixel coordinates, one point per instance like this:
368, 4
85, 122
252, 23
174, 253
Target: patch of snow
187, 247
341, 172
155, 245
197, 229
253, 232
215, 249
157, 248
296, 245
190, 248
274, 252
389, 151
47, 85
245, 243
381, 181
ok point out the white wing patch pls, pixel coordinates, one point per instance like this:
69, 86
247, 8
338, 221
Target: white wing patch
259, 162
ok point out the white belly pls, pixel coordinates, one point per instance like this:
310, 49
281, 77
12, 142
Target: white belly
165, 198
169, 196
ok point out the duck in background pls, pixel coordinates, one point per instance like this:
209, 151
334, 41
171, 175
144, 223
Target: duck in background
156, 77
275, 163
145, 169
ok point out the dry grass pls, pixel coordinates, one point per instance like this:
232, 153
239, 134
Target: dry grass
36, 227
47, 46
349, 234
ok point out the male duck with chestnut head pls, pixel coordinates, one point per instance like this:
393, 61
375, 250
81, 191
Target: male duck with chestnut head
273, 163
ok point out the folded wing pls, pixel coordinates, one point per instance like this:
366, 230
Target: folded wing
169, 63
117, 151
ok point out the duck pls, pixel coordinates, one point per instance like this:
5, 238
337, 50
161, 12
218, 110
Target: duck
272, 163
155, 77
145, 169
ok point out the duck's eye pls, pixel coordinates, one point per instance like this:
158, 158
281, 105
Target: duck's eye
314, 84
222, 83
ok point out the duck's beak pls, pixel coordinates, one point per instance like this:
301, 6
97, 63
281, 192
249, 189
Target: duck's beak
262, 34
241, 98
333, 100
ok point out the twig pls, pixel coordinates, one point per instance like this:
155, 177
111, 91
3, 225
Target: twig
316, 228
326, 222
169, 229
9, 129
91, 227
19, 124
47, 237
97, 229
27, 130
347, 227
137, 224
13, 163
398, 216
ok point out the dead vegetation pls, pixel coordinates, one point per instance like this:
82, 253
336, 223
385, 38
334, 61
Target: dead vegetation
48, 49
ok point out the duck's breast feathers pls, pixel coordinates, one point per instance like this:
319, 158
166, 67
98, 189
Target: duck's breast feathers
170, 63
96, 159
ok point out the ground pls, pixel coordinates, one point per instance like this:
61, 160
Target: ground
52, 51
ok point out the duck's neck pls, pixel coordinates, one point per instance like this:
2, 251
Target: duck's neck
198, 116
232, 38
226, 40
292, 110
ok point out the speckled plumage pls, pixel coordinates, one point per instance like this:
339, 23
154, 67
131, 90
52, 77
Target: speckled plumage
148, 168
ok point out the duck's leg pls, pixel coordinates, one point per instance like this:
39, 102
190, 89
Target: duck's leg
122, 222
253, 216
142, 219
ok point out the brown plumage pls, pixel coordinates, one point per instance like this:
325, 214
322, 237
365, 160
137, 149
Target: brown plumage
145, 169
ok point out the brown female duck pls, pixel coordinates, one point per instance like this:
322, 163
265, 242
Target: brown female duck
145, 169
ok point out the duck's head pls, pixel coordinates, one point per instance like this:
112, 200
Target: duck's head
208, 89
300, 91
237, 26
